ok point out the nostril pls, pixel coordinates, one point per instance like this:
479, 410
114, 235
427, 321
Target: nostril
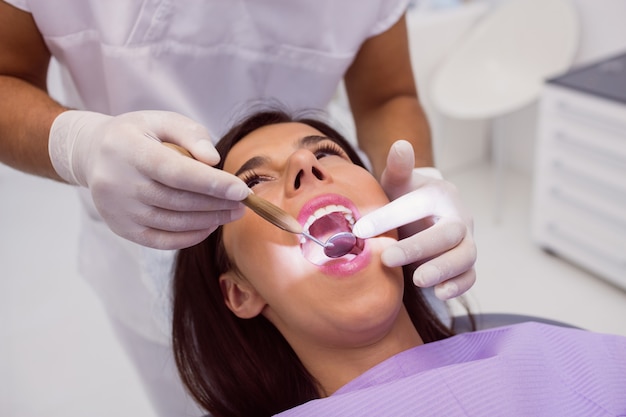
296, 183
318, 174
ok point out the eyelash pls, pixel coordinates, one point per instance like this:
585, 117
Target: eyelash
252, 178
330, 148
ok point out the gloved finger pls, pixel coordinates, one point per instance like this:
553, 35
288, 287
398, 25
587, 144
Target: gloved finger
180, 172
403, 210
175, 128
446, 265
456, 286
437, 239
183, 231
159, 239
158, 195
396, 178
176, 221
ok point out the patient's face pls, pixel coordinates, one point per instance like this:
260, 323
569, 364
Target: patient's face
308, 297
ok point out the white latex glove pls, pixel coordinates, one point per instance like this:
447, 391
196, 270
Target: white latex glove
144, 191
436, 231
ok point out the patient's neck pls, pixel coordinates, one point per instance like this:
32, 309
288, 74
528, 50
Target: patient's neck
334, 367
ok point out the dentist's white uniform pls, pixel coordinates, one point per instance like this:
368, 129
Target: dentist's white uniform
205, 59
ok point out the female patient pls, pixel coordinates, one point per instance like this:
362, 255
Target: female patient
265, 322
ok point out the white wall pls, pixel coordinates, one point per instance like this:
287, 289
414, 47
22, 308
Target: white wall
459, 143
603, 34
433, 34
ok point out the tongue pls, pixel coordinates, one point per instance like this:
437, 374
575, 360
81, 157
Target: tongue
322, 229
326, 226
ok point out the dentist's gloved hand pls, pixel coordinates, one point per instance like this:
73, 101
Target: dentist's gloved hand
144, 191
436, 231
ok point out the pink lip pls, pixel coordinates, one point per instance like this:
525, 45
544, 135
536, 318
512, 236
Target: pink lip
345, 268
339, 267
322, 201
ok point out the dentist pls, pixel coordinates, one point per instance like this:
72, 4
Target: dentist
139, 70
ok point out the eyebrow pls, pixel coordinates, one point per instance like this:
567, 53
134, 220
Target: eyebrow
258, 161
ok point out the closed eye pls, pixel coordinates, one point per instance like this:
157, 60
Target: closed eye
328, 148
251, 178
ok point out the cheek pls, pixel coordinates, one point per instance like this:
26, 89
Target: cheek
246, 239
260, 255
372, 198
369, 195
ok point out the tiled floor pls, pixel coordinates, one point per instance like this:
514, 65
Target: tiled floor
58, 357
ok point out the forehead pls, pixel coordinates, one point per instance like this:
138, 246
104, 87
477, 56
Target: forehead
278, 140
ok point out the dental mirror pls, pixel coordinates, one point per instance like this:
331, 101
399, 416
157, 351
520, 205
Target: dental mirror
337, 245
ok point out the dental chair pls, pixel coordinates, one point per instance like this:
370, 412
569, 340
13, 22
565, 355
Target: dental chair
462, 324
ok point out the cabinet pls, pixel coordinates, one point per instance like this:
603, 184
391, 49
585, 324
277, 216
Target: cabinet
579, 190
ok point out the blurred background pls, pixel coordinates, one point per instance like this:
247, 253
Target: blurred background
58, 356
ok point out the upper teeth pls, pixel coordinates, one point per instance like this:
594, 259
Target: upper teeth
323, 211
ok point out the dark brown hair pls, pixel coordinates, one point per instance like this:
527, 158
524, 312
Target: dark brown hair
244, 367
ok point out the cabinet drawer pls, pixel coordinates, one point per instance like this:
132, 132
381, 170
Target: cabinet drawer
579, 206
582, 109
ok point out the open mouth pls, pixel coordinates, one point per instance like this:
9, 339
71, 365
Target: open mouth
324, 223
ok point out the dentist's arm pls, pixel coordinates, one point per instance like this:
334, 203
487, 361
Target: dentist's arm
383, 99
143, 191
26, 110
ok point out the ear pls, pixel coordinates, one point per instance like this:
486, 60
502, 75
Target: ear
240, 297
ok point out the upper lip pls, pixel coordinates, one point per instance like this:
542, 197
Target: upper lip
324, 201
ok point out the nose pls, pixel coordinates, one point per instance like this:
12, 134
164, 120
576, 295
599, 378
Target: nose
303, 170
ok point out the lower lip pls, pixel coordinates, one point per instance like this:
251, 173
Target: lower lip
342, 267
